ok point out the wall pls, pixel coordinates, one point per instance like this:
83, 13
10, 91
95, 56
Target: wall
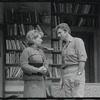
1, 50
98, 48
98, 55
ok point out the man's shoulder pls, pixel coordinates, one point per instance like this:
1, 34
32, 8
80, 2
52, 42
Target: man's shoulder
77, 39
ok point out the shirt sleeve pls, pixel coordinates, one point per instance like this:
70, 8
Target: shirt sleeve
24, 63
80, 49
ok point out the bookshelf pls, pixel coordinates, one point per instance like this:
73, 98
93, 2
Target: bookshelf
82, 17
18, 21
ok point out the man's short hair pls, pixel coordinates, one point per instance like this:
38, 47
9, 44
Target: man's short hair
63, 26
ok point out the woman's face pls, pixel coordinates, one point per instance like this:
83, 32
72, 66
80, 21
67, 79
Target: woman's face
38, 40
61, 34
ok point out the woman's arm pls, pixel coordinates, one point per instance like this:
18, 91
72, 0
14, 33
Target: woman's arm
24, 63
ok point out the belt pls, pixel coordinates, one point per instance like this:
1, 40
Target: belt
36, 64
70, 66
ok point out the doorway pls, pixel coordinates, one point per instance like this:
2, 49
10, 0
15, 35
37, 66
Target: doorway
88, 39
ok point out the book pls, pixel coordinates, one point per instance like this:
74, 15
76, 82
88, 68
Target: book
36, 16
76, 8
7, 58
92, 9
13, 43
23, 30
54, 6
15, 29
9, 44
80, 9
40, 29
86, 9
17, 45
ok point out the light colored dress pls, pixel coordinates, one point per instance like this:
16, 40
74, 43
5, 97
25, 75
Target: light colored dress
34, 83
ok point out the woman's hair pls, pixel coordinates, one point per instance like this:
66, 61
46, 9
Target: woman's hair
32, 34
63, 26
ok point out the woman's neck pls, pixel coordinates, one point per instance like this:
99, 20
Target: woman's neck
35, 47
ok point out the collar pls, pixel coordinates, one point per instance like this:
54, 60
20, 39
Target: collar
70, 38
34, 47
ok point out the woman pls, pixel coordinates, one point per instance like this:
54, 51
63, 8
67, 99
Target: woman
34, 66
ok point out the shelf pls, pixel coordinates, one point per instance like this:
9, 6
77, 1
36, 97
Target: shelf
15, 37
28, 23
14, 50
15, 92
48, 79
56, 52
47, 24
80, 29
73, 14
14, 79
21, 37
55, 39
55, 65
12, 65
83, 29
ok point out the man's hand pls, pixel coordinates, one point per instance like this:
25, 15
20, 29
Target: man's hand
76, 82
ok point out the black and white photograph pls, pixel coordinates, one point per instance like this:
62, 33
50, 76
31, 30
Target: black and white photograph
50, 50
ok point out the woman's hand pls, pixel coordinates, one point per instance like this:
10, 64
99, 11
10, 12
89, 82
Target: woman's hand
42, 70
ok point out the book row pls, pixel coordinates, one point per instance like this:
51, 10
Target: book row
13, 58
26, 16
16, 72
13, 72
57, 59
15, 45
73, 8
74, 21
20, 29
55, 72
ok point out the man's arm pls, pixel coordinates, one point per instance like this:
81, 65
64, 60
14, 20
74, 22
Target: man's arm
81, 67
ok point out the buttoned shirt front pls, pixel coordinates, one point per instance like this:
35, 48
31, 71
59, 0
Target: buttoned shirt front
74, 51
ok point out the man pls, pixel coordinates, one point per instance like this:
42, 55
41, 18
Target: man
73, 58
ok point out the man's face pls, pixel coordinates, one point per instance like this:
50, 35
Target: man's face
61, 34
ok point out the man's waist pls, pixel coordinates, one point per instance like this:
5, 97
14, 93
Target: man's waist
69, 66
